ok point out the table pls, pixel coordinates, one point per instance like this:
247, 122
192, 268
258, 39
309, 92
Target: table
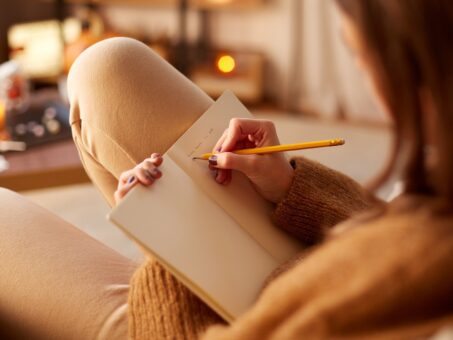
44, 166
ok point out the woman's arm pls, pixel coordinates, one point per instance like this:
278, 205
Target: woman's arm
309, 196
318, 199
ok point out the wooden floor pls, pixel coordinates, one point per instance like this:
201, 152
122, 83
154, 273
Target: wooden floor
362, 157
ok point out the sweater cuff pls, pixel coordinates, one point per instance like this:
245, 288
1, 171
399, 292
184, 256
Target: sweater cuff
319, 198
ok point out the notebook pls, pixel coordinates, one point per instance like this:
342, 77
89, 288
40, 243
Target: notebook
217, 240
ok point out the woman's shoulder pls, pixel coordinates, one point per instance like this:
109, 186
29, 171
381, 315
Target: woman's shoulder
396, 265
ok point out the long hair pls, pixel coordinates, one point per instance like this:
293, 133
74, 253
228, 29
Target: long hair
410, 45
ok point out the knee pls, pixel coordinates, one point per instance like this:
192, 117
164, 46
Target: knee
104, 70
104, 63
96, 84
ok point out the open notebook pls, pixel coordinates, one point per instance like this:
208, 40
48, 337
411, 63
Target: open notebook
217, 240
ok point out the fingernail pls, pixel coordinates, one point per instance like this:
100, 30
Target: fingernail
131, 179
156, 155
213, 160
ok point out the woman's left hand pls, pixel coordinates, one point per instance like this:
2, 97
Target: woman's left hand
144, 173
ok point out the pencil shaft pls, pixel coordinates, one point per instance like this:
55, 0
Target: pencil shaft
283, 148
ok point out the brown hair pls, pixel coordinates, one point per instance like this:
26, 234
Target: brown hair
409, 44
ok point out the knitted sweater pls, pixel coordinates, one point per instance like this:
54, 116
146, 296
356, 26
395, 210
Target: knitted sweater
384, 273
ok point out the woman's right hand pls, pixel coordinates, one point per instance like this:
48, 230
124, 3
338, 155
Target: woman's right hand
271, 174
145, 173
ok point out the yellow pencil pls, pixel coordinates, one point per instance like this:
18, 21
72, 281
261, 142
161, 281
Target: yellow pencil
282, 148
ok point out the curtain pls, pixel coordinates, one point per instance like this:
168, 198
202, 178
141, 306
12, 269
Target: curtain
325, 78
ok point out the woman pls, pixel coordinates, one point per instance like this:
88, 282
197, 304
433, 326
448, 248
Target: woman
375, 269
385, 270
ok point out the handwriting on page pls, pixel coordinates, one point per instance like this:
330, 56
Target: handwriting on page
198, 149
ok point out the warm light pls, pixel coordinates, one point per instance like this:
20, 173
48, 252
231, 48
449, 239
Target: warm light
221, 2
226, 64
2, 115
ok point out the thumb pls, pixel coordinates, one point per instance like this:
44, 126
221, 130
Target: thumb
232, 161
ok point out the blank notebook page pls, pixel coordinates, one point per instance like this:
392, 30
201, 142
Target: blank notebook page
197, 241
238, 199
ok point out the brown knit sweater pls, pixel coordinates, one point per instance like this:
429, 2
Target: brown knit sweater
387, 274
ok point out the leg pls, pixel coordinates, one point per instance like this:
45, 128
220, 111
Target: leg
126, 103
57, 282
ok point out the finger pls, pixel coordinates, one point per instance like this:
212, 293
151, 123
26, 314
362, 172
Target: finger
216, 149
123, 189
120, 193
124, 177
229, 178
234, 135
239, 129
147, 164
156, 173
218, 145
232, 161
150, 167
157, 159
144, 176
131, 181
222, 175
244, 144
154, 160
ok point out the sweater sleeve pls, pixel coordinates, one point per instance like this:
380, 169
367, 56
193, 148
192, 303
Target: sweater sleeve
319, 198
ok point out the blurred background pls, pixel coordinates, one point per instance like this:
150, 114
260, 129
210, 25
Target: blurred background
284, 58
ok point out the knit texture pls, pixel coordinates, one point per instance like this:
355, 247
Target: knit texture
318, 199
162, 308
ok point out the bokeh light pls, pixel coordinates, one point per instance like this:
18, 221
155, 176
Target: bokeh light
226, 64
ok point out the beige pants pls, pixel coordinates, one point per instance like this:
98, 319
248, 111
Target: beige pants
55, 281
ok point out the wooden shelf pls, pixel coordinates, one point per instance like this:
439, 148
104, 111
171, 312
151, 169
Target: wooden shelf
199, 4
43, 167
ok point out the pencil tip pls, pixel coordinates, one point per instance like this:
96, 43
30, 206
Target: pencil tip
339, 141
